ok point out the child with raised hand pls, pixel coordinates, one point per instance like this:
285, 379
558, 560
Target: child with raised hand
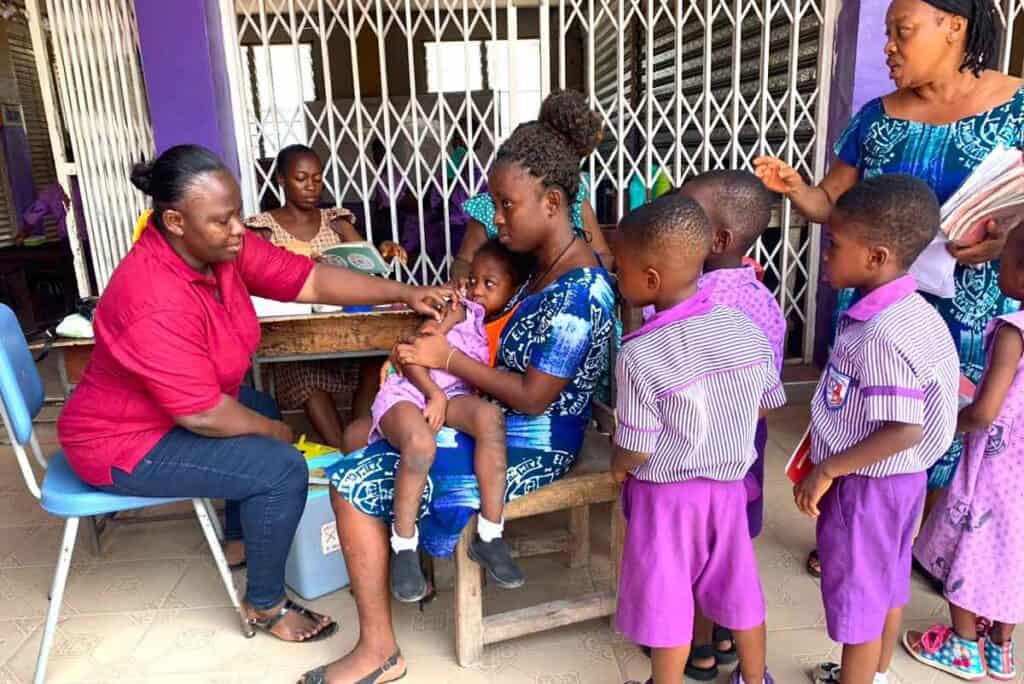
739, 209
413, 406
883, 413
687, 409
974, 542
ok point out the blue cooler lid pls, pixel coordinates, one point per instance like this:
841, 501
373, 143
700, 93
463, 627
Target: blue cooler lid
318, 490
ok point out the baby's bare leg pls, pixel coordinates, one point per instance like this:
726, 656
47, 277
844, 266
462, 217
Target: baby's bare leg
406, 429
485, 422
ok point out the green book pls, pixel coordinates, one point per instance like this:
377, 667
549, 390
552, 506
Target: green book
358, 256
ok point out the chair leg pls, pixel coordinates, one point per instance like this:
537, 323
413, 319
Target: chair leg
95, 536
60, 579
579, 537
618, 541
469, 605
214, 519
222, 564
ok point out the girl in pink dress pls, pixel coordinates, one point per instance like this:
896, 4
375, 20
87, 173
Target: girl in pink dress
974, 540
412, 407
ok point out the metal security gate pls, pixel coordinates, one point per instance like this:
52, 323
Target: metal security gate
87, 59
684, 86
381, 88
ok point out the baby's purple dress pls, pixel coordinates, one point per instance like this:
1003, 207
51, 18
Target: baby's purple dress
469, 337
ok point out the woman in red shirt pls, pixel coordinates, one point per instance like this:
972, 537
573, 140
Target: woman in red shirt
161, 411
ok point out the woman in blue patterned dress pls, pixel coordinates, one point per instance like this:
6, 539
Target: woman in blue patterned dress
551, 355
950, 109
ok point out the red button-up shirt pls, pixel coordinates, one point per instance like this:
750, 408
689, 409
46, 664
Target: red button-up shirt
169, 342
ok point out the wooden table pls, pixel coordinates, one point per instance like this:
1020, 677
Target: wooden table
287, 338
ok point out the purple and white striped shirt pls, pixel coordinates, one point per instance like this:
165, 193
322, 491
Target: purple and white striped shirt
690, 384
740, 289
893, 360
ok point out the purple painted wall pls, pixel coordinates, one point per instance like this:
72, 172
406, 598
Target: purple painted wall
859, 75
18, 156
872, 75
186, 75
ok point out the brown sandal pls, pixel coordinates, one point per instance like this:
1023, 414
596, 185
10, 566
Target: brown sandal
267, 624
319, 675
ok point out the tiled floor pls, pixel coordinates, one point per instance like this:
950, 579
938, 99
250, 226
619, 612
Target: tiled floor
151, 608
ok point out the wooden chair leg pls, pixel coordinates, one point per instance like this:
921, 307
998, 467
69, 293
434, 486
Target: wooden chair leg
579, 537
469, 605
618, 540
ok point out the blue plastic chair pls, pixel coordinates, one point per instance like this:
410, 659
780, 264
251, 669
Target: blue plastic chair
62, 493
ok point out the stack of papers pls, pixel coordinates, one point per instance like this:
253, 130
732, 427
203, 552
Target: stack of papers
994, 190
269, 308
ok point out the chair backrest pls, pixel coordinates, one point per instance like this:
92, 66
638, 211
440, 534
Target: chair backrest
21, 391
21, 388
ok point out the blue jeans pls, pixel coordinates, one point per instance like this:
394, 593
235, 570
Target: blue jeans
264, 480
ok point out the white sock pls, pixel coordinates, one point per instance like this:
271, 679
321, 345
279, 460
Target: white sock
400, 543
881, 678
489, 531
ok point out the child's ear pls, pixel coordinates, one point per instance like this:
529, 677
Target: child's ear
879, 256
722, 241
653, 279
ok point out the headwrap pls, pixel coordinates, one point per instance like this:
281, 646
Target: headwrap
982, 31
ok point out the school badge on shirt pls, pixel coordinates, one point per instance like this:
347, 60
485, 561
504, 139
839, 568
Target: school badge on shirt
837, 388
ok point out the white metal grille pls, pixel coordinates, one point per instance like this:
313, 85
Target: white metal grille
100, 94
683, 86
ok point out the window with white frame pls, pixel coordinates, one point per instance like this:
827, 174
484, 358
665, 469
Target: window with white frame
520, 103
458, 66
282, 82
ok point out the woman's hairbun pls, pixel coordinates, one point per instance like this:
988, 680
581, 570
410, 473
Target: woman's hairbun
142, 177
167, 178
567, 113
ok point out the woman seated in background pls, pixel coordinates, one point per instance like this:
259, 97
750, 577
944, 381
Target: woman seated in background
302, 226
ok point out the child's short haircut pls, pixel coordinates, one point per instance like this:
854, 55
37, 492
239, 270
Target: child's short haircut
897, 210
740, 202
520, 266
672, 225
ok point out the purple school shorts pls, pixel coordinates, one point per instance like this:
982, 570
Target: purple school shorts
865, 538
686, 541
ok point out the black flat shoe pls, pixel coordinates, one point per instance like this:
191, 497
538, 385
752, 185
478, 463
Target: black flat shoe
702, 674
496, 558
408, 584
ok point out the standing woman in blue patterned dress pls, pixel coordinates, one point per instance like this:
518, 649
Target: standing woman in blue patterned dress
950, 109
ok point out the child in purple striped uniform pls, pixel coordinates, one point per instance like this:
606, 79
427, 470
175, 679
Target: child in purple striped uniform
974, 541
883, 413
687, 410
739, 209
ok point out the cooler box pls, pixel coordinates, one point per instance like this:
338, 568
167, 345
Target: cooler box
315, 565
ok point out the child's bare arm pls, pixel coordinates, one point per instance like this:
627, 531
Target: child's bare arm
625, 460
888, 440
1006, 354
436, 401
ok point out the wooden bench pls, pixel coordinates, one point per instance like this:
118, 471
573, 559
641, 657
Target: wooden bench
588, 482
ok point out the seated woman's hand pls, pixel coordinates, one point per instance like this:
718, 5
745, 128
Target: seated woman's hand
389, 249
426, 349
430, 301
991, 245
